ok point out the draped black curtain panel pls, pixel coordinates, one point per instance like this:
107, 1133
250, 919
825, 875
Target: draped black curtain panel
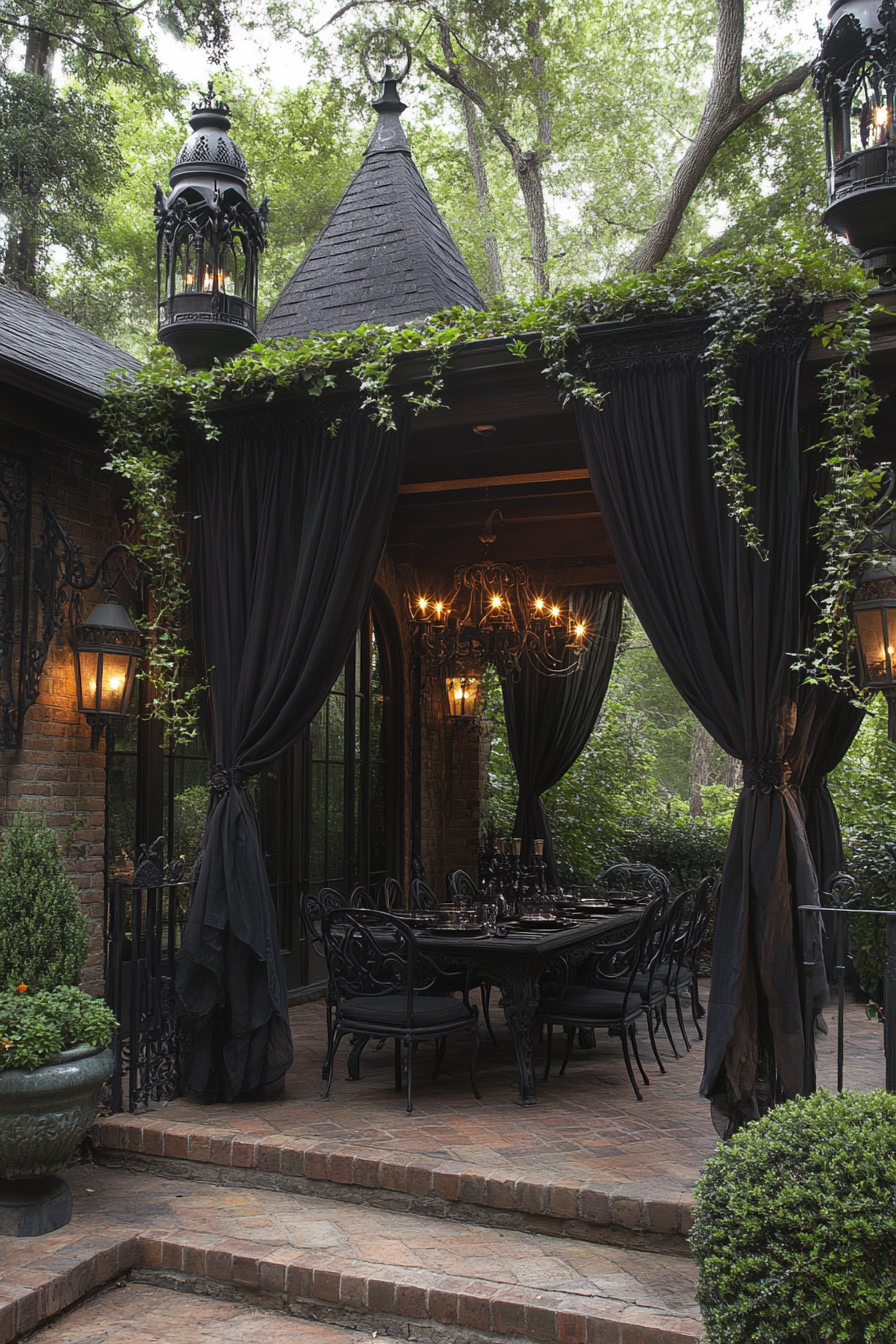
550, 719
292, 519
725, 624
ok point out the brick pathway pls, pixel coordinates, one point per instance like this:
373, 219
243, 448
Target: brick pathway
311, 1256
119, 1315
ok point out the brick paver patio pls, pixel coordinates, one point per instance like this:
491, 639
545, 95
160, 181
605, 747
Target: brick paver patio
468, 1221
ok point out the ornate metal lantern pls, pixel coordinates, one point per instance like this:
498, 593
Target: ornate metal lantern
107, 650
874, 616
855, 78
209, 240
495, 615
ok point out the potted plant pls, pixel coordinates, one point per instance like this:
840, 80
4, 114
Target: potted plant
54, 1038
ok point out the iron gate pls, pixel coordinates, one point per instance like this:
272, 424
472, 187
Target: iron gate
144, 922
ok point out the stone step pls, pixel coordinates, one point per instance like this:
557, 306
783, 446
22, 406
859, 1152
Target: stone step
370, 1268
172, 1318
646, 1215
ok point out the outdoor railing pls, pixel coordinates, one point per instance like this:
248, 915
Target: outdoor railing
143, 929
840, 914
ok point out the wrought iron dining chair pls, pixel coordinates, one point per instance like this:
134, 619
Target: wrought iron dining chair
641, 878
383, 986
392, 894
615, 1005
423, 898
361, 899
460, 883
658, 969
681, 974
313, 905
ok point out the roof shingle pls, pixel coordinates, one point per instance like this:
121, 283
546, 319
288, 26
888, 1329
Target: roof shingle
385, 253
45, 343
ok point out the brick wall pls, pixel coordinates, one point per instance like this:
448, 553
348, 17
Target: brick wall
56, 772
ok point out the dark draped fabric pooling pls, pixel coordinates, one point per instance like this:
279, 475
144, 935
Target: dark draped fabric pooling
550, 719
289, 528
725, 624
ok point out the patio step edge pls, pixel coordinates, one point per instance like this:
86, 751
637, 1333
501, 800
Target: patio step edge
625, 1214
444, 1308
32, 1296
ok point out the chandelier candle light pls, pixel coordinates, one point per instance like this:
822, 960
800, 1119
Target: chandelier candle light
493, 615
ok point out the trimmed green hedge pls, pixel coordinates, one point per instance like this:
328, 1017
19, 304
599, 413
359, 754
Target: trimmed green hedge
795, 1229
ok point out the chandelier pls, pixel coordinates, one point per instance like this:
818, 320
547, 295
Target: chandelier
495, 615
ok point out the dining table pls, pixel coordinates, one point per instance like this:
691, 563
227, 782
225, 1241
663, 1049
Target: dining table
514, 960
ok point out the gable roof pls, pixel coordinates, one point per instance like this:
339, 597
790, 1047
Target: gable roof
385, 253
38, 345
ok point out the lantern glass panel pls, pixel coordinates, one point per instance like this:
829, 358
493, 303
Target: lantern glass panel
105, 680
464, 696
872, 631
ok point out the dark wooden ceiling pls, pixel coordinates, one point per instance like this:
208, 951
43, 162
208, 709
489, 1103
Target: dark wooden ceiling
531, 468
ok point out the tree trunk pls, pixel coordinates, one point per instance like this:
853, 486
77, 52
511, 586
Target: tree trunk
23, 244
483, 200
701, 759
528, 175
525, 162
724, 111
734, 772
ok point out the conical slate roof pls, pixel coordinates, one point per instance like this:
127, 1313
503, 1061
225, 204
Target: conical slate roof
385, 253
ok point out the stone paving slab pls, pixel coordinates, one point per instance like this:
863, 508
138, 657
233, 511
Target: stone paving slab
172, 1318
307, 1255
589, 1161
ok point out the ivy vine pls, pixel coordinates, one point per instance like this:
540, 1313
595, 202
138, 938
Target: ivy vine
741, 298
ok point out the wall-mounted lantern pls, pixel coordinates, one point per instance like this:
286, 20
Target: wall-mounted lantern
873, 610
107, 650
855, 78
464, 695
210, 238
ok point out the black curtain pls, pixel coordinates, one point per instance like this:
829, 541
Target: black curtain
725, 624
550, 719
290, 522
822, 822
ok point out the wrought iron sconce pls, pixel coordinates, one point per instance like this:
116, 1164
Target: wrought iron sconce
42, 579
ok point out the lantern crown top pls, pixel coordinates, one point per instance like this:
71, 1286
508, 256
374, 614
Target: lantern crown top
209, 147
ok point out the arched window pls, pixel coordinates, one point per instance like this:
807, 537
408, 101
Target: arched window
329, 808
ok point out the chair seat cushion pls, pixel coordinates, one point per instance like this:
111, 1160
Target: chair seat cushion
390, 1010
580, 1001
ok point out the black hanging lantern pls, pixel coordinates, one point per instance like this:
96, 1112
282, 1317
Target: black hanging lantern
210, 238
107, 650
855, 78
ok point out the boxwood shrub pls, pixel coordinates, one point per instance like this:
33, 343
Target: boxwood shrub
795, 1229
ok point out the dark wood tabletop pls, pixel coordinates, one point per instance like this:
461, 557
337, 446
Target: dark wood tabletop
515, 961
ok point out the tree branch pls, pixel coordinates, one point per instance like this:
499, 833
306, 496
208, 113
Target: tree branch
68, 40
724, 111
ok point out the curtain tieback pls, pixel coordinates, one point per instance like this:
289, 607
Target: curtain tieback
765, 774
223, 780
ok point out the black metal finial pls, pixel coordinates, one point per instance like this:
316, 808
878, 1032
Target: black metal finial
210, 104
386, 57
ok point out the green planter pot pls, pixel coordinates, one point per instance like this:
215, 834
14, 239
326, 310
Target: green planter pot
45, 1113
